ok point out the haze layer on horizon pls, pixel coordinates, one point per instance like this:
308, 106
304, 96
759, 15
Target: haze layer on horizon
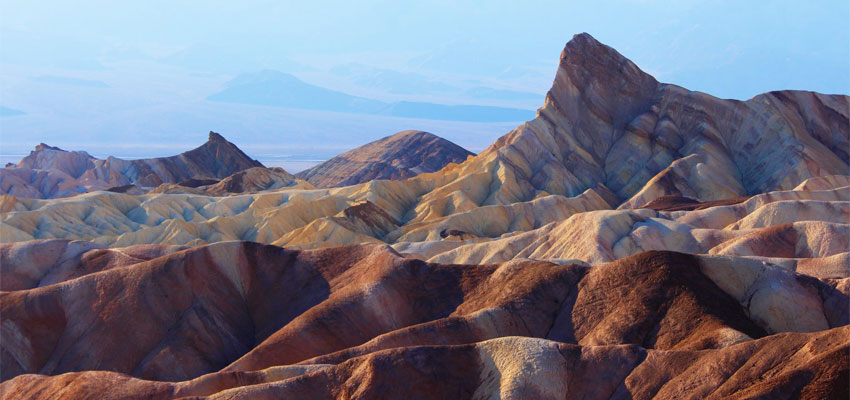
108, 75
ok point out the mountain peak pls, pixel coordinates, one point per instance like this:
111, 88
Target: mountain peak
216, 137
597, 88
583, 45
411, 134
585, 38
43, 146
599, 62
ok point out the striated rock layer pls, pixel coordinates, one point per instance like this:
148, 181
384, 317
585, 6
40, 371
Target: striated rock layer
268, 314
792, 228
803, 366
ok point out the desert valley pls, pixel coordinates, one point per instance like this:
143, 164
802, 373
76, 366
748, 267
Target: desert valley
634, 240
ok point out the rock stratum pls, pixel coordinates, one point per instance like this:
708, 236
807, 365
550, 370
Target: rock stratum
240, 319
403, 155
634, 240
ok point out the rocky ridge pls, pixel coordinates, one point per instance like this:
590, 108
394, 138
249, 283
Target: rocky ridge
49, 172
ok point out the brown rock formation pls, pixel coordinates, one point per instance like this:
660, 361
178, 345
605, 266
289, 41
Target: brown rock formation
39, 263
215, 159
246, 307
803, 366
680, 203
399, 156
251, 180
254, 180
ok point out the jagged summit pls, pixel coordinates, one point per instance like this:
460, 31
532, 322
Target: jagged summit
45, 146
595, 83
607, 122
217, 158
216, 137
584, 52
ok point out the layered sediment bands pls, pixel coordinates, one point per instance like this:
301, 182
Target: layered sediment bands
241, 306
808, 366
273, 314
251, 180
399, 156
790, 225
118, 219
605, 121
44, 262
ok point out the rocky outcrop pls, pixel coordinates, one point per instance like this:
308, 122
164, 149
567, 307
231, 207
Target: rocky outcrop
606, 121
215, 159
399, 156
50, 172
44, 157
254, 180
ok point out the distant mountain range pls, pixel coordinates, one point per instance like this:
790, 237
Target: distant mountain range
49, 171
220, 168
278, 89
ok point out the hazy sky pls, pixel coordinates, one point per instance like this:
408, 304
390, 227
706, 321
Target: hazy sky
729, 48
169, 53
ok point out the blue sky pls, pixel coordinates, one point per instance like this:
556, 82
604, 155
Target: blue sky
166, 55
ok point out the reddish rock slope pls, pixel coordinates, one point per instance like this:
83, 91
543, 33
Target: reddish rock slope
232, 308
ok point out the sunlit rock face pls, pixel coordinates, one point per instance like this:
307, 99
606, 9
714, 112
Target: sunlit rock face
606, 121
634, 240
